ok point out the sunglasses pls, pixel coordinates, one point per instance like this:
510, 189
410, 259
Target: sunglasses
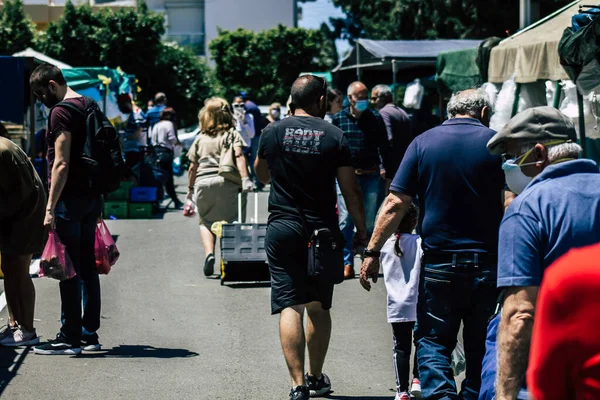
238, 105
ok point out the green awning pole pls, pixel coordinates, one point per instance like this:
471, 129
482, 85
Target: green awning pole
557, 93
581, 125
515, 108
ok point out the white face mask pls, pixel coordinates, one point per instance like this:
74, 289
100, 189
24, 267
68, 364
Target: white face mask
275, 113
516, 180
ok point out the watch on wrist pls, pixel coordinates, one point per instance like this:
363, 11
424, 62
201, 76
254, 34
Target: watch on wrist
371, 253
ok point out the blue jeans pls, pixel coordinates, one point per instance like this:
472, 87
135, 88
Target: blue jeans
76, 228
369, 185
449, 294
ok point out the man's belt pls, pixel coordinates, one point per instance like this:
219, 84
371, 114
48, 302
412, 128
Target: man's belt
370, 171
459, 258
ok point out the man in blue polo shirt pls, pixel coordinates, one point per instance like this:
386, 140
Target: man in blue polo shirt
153, 113
557, 209
459, 187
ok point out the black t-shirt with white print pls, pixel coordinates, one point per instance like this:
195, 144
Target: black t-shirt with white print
303, 155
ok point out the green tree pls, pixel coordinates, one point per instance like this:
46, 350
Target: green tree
431, 19
16, 29
131, 39
267, 63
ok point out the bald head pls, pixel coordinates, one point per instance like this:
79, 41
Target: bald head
357, 87
308, 92
358, 96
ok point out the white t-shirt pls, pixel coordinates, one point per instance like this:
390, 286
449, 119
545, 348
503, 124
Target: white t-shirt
401, 277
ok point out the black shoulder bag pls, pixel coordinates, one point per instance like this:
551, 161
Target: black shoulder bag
325, 248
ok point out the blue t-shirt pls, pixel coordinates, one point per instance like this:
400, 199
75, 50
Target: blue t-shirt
153, 115
458, 184
559, 210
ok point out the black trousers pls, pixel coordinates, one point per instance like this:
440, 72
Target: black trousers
165, 162
403, 341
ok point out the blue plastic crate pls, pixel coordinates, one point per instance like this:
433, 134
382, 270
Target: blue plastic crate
143, 194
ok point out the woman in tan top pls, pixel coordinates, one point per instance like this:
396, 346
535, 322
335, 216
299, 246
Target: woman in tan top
215, 196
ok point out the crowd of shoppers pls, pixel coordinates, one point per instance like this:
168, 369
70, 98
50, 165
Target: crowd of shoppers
498, 215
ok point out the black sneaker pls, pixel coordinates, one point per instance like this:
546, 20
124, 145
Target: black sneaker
60, 345
90, 342
299, 393
318, 387
209, 265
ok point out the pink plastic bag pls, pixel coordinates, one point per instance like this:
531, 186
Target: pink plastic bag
189, 208
55, 262
111, 247
101, 253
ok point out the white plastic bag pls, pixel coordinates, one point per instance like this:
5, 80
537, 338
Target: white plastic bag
459, 361
414, 95
504, 105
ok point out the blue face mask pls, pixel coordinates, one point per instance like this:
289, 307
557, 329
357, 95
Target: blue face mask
362, 105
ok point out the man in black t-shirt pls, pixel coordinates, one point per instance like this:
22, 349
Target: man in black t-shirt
302, 156
71, 211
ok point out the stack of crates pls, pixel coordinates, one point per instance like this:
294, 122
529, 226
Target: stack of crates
130, 201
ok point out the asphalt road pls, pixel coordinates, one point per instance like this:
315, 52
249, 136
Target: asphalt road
170, 333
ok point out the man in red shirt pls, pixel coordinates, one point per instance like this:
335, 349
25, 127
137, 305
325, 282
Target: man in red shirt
564, 361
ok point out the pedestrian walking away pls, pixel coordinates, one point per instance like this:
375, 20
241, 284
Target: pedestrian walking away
215, 196
22, 205
401, 264
153, 112
398, 128
367, 138
301, 156
252, 109
164, 138
71, 210
556, 210
459, 186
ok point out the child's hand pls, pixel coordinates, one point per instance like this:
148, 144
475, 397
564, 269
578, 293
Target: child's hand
369, 269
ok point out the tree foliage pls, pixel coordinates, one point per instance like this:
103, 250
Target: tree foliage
267, 63
131, 39
16, 29
431, 19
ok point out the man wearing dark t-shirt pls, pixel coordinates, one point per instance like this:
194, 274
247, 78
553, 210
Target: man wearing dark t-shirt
459, 187
302, 156
70, 211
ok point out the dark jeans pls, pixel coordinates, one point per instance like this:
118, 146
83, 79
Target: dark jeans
403, 340
76, 227
166, 165
449, 294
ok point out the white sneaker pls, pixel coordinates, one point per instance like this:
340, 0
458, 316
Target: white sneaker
21, 337
415, 388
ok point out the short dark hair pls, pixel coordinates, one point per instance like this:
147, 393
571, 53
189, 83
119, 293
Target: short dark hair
307, 90
160, 98
333, 94
43, 74
167, 114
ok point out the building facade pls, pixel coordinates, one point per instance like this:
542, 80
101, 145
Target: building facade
192, 23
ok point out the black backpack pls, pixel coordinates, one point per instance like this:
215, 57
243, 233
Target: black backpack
101, 161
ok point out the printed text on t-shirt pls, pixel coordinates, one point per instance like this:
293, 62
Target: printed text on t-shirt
302, 141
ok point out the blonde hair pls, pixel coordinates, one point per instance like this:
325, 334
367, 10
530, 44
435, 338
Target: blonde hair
215, 117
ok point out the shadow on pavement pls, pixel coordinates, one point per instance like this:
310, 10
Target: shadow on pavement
248, 285
335, 397
141, 351
10, 362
